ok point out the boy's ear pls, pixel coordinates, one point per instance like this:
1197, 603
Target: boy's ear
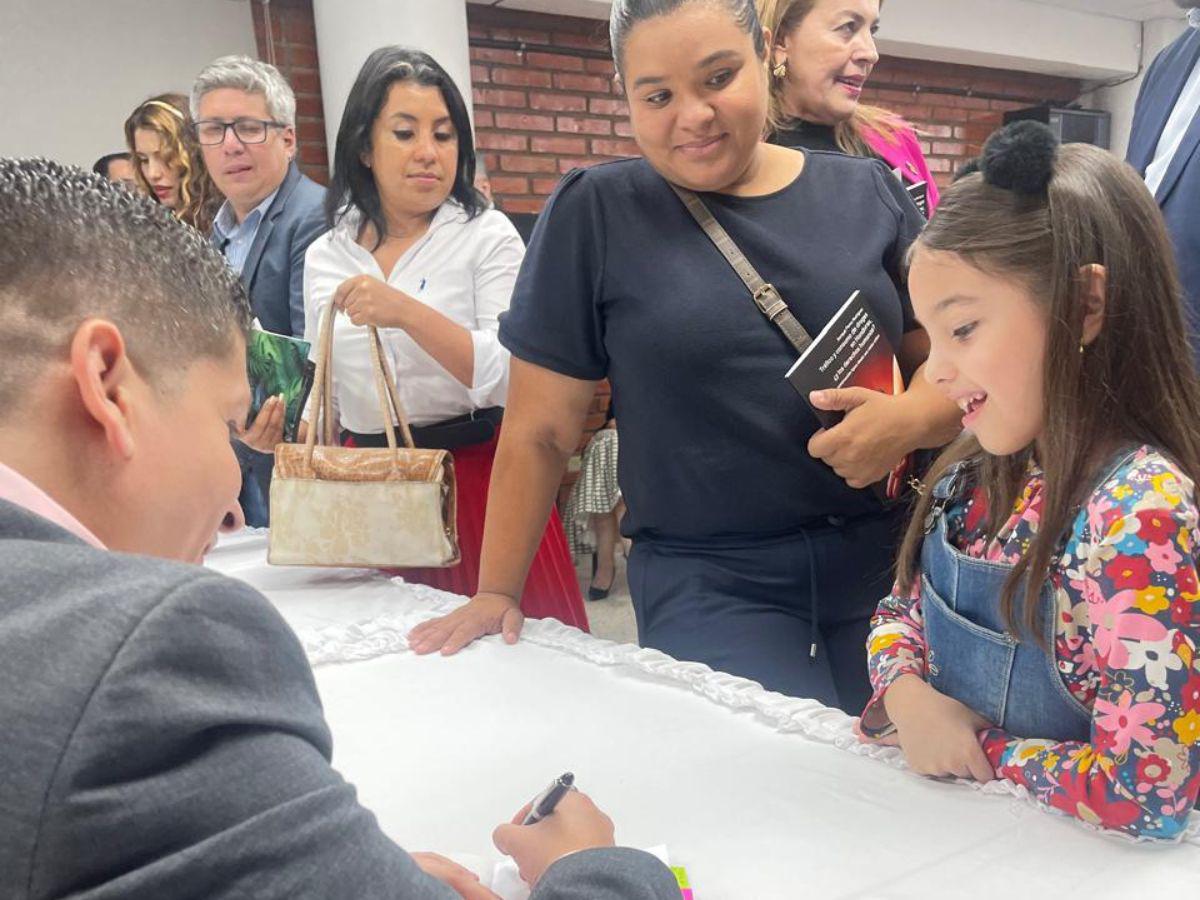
1093, 294
103, 375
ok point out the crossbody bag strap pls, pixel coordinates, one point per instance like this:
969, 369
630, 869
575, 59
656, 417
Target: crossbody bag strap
766, 298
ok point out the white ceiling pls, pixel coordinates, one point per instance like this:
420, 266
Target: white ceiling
1138, 10
1088, 39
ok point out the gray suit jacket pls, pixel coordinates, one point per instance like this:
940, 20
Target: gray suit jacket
163, 738
273, 275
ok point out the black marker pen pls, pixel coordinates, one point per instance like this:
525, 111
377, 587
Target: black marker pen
543, 804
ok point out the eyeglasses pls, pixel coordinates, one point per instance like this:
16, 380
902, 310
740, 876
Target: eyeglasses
211, 132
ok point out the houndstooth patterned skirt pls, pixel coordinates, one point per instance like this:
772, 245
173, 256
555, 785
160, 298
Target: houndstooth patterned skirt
595, 493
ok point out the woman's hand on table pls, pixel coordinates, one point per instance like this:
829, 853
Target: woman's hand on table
267, 428
875, 434
368, 301
576, 824
938, 735
464, 882
483, 614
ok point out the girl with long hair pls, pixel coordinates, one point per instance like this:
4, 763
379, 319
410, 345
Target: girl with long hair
1045, 619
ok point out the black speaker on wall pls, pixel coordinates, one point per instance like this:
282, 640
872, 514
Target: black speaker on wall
1073, 126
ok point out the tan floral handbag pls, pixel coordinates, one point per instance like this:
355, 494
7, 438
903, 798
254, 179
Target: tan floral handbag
351, 506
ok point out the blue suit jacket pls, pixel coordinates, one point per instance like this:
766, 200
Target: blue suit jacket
1179, 194
273, 277
274, 271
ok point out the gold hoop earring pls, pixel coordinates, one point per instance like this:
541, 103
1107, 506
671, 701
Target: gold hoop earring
780, 70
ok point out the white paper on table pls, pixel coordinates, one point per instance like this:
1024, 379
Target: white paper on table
503, 878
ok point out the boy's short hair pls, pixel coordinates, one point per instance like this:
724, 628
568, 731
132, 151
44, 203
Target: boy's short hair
74, 246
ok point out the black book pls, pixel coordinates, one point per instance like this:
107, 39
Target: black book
918, 192
851, 351
920, 196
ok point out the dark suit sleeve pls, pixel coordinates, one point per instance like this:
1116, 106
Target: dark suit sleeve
615, 873
308, 229
1140, 113
909, 225
200, 769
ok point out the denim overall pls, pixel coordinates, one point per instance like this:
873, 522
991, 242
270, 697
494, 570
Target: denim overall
972, 657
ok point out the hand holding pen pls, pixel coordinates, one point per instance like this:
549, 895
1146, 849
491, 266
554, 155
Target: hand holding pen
543, 804
576, 824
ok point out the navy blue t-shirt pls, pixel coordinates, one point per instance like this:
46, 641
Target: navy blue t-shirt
620, 282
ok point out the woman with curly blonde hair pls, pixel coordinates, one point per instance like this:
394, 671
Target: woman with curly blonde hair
167, 163
822, 53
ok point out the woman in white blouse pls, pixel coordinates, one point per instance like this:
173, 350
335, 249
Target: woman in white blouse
414, 250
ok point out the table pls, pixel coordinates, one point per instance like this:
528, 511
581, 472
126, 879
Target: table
756, 794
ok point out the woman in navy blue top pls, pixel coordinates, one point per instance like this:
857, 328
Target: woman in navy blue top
755, 547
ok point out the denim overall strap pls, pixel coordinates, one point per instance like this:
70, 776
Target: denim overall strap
973, 656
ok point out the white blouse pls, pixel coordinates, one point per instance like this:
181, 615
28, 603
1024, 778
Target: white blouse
464, 269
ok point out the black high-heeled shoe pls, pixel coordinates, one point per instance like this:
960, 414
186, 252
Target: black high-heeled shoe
595, 593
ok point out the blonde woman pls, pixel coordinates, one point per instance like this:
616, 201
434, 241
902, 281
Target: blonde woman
822, 54
167, 163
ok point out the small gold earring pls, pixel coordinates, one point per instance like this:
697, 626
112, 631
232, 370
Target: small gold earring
780, 70
1081, 348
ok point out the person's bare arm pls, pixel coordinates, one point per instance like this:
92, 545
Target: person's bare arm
542, 424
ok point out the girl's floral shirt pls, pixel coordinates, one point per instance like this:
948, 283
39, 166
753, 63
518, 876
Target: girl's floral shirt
1128, 625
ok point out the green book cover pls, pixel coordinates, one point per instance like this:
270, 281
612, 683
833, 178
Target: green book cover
277, 364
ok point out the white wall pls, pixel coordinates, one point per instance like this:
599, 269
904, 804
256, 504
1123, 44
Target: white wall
71, 71
1016, 34
1119, 100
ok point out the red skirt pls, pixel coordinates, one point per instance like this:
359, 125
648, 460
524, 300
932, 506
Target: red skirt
551, 589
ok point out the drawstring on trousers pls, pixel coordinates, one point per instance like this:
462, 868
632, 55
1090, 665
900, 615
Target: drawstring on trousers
814, 606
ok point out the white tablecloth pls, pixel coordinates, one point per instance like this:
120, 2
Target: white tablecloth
757, 795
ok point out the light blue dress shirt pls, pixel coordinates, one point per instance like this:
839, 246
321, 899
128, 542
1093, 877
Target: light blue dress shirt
235, 239
1178, 124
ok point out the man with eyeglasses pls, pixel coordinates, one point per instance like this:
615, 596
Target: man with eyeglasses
245, 116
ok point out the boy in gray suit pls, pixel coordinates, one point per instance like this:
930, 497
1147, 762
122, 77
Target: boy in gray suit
163, 737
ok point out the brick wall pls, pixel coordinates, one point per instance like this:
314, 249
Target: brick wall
293, 38
955, 108
539, 114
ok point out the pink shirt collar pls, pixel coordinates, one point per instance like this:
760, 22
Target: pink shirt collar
19, 490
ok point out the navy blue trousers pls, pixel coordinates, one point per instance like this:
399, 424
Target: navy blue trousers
255, 496
756, 608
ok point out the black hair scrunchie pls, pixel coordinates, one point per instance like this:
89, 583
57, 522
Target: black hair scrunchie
1020, 158
970, 167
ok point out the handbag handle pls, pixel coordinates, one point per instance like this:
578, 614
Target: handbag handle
766, 298
389, 397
